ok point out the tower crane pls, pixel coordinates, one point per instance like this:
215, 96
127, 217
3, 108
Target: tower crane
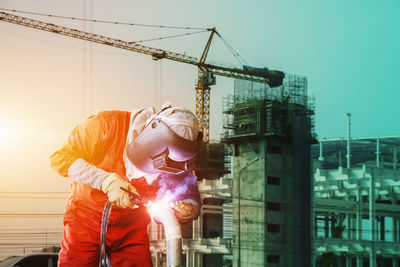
206, 72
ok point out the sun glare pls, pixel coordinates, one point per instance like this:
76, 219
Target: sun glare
8, 132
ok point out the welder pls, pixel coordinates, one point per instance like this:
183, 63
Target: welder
114, 155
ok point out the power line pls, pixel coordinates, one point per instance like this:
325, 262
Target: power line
33, 192
30, 245
106, 21
31, 214
32, 197
227, 208
29, 229
248, 232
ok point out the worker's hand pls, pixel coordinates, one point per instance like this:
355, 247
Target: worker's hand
112, 187
185, 211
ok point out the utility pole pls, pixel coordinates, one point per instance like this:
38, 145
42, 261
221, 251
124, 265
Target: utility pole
239, 197
348, 139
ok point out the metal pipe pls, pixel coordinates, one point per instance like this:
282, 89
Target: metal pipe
348, 139
321, 157
377, 152
372, 255
359, 216
361, 138
173, 236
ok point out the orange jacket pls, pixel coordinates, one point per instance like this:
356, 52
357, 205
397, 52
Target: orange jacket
100, 141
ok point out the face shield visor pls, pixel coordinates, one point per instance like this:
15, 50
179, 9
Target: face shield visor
158, 149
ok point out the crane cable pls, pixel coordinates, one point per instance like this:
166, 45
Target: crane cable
240, 59
167, 37
107, 21
201, 30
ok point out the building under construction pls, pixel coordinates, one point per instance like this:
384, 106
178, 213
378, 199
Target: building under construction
270, 131
357, 202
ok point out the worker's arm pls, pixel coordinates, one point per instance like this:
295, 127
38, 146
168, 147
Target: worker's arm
184, 194
83, 172
77, 158
188, 204
86, 142
85, 146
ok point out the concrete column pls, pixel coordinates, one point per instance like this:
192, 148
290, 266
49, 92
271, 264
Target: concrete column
348, 226
359, 261
198, 228
193, 254
187, 256
348, 260
199, 260
313, 257
194, 229
395, 262
354, 224
340, 260
395, 224
358, 228
372, 255
395, 232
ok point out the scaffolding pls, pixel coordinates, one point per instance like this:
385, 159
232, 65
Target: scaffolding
257, 109
211, 161
269, 127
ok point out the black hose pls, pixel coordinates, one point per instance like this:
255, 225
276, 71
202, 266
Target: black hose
104, 261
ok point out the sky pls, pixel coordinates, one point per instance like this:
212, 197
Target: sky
348, 50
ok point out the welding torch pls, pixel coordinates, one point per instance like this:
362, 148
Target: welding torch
135, 198
172, 228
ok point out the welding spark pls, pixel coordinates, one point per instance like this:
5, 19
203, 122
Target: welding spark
158, 209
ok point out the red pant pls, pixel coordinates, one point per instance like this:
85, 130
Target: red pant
126, 240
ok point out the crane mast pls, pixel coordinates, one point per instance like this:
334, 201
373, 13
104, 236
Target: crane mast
206, 72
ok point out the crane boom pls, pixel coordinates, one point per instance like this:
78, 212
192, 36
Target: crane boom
131, 46
202, 89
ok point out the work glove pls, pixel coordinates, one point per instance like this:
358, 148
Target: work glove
185, 211
112, 185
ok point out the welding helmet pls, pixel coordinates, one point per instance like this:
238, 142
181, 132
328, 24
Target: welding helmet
159, 149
